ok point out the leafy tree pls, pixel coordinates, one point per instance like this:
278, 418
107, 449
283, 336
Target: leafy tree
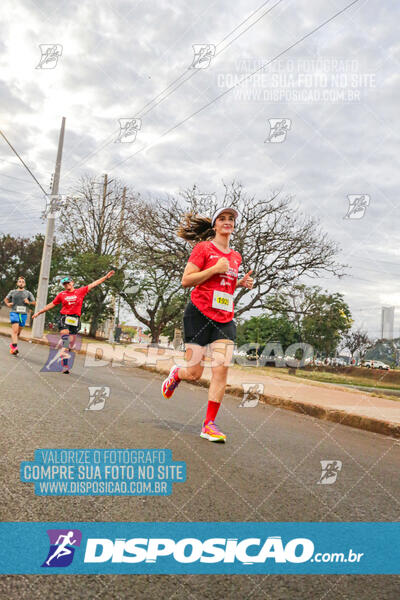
177, 322
132, 331
88, 267
320, 318
22, 256
266, 328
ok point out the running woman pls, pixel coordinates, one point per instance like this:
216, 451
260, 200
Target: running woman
71, 300
18, 300
212, 270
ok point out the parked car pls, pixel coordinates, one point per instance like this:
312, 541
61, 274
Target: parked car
257, 353
339, 362
253, 353
376, 364
239, 352
318, 362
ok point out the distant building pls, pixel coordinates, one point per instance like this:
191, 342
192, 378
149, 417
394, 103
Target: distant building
177, 341
387, 322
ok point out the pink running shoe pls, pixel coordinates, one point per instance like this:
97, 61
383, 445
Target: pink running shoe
169, 384
211, 433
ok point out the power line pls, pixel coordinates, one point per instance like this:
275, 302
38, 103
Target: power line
304, 37
196, 70
140, 113
247, 28
377, 260
382, 271
216, 54
222, 50
12, 177
367, 280
16, 192
25, 165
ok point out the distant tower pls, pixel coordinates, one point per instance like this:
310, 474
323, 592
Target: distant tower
177, 341
387, 322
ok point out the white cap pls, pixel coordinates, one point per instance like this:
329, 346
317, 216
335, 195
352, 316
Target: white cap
221, 210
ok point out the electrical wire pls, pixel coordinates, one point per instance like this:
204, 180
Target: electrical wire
21, 160
304, 37
109, 139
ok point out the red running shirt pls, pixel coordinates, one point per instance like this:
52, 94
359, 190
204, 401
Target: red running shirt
71, 301
205, 255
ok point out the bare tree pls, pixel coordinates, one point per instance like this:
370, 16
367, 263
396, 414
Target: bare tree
279, 244
91, 218
152, 287
356, 341
93, 227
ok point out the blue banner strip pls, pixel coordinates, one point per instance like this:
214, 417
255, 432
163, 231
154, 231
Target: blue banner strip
209, 548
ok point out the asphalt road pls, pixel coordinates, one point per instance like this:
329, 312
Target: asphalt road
267, 471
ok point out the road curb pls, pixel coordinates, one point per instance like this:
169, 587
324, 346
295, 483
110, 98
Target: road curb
312, 410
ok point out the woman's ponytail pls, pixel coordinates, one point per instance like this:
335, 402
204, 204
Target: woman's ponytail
195, 228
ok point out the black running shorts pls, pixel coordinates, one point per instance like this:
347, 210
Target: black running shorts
199, 329
73, 329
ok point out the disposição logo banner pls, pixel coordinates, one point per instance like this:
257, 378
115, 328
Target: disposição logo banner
202, 547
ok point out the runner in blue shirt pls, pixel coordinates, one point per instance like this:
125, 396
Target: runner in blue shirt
18, 300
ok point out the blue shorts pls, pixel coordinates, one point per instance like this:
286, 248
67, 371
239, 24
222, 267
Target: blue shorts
19, 318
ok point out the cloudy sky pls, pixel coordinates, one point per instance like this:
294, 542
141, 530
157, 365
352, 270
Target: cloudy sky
336, 93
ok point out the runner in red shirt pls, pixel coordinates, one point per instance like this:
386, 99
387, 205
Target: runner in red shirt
212, 270
218, 307
71, 301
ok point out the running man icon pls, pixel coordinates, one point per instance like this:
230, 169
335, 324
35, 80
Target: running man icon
62, 542
62, 549
61, 353
57, 353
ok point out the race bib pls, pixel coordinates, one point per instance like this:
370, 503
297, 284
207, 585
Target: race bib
20, 309
72, 321
222, 301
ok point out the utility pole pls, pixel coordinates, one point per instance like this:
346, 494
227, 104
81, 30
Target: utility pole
99, 244
119, 240
121, 223
103, 208
41, 300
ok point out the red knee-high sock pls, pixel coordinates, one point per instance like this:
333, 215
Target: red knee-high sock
212, 409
